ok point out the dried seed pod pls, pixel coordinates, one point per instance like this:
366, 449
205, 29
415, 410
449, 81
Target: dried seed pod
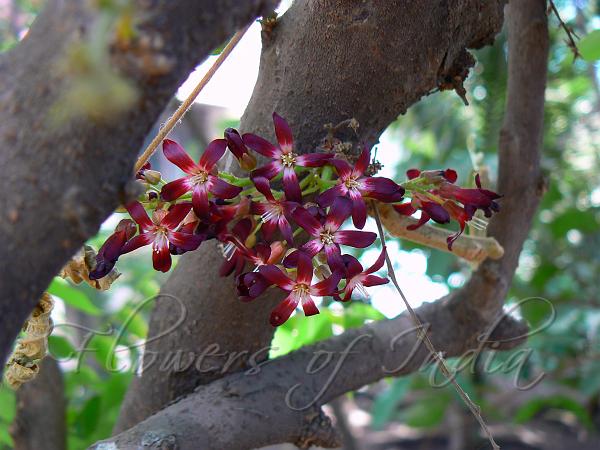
79, 267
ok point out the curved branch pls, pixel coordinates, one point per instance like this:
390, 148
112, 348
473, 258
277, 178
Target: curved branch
317, 66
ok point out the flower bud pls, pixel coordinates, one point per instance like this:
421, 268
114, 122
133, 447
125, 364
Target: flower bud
152, 176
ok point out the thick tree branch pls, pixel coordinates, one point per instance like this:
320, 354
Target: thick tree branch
323, 62
275, 403
60, 181
41, 420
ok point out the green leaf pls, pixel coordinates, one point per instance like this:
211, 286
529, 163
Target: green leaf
530, 409
87, 419
589, 46
73, 297
7, 400
386, 403
60, 347
5, 437
428, 411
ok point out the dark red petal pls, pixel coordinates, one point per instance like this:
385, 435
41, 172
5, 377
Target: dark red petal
363, 161
264, 187
359, 212
334, 257
283, 133
309, 307
137, 241
304, 270
222, 189
450, 175
326, 198
175, 215
268, 229
412, 173
353, 266
328, 286
212, 154
286, 230
313, 159
478, 181
338, 213
185, 241
178, 156
111, 249
378, 264
291, 187
374, 280
354, 238
379, 186
139, 214
175, 189
342, 167
303, 218
269, 170
242, 229
200, 201
128, 226
406, 209
261, 145
235, 143
161, 257
422, 221
436, 212
311, 248
275, 276
284, 310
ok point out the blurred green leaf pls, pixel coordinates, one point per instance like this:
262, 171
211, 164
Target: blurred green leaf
589, 46
60, 348
7, 401
533, 407
85, 422
73, 297
386, 403
429, 410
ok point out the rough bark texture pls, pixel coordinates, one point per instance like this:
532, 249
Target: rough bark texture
60, 182
248, 409
324, 62
41, 419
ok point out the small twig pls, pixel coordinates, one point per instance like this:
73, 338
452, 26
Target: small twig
474, 249
187, 103
570, 33
475, 410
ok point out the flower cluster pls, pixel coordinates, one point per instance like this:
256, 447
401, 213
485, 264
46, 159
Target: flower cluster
282, 225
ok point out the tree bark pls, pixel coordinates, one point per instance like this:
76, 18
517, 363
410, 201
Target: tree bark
59, 183
41, 420
324, 62
254, 408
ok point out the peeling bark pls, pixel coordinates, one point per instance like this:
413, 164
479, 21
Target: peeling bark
323, 62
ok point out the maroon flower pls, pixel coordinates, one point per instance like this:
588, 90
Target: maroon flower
160, 232
449, 174
352, 184
274, 213
284, 158
328, 235
235, 259
240, 151
300, 290
472, 199
461, 216
357, 278
187, 228
250, 285
202, 177
429, 210
111, 249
